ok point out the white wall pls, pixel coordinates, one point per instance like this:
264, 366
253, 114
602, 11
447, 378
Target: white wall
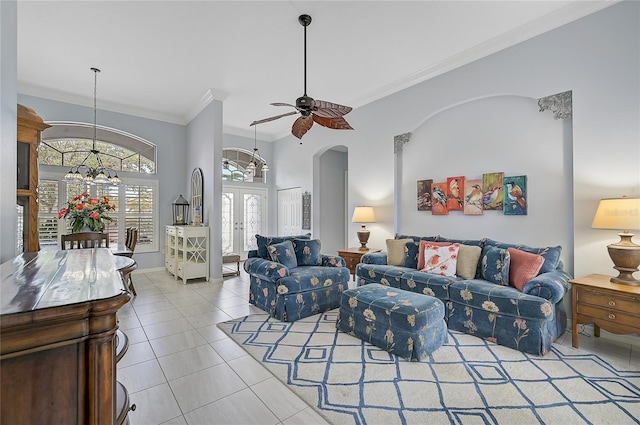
8, 129
597, 57
204, 150
331, 211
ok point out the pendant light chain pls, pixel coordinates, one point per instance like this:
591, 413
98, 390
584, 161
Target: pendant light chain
95, 103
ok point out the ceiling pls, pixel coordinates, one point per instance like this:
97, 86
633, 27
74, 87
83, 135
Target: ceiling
167, 59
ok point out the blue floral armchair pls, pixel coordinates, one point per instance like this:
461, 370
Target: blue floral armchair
290, 279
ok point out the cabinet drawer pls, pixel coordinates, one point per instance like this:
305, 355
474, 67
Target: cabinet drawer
609, 315
610, 301
171, 231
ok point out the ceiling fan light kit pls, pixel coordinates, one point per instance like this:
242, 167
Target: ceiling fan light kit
327, 114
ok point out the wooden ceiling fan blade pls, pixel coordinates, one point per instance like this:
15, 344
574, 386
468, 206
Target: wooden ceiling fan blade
301, 126
282, 104
273, 118
337, 123
326, 109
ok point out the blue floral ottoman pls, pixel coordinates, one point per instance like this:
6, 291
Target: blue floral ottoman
404, 323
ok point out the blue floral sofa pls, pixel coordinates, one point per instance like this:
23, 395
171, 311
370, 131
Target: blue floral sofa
290, 279
483, 303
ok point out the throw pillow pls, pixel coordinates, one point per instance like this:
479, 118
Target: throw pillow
264, 241
441, 260
468, 257
396, 251
524, 267
411, 259
423, 245
495, 265
283, 253
307, 252
551, 254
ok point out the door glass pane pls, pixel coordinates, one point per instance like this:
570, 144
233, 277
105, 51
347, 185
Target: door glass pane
227, 222
252, 220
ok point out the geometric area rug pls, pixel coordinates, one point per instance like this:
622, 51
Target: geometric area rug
466, 381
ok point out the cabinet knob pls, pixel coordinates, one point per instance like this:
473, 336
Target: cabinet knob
612, 316
612, 303
133, 407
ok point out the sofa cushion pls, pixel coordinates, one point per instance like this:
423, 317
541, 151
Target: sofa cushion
264, 241
396, 251
441, 260
524, 267
283, 253
495, 265
498, 299
418, 238
423, 245
551, 254
472, 242
308, 278
308, 252
468, 258
382, 274
430, 284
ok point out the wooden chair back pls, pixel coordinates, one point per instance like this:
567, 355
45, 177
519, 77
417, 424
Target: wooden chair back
132, 238
85, 240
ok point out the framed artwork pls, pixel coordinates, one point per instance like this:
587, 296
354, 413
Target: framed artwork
455, 187
424, 195
306, 211
473, 196
515, 195
493, 194
439, 198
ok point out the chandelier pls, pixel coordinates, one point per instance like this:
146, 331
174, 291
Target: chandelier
99, 174
253, 163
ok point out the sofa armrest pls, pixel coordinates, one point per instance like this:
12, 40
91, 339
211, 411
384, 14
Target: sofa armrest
265, 269
374, 258
333, 261
551, 286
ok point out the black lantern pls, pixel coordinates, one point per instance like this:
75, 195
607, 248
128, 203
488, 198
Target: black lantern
180, 211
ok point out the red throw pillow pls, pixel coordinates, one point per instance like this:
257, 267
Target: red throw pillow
524, 267
421, 251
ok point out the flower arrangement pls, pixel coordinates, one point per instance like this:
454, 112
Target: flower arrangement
85, 211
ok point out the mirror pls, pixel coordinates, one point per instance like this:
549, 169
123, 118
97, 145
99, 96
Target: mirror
196, 196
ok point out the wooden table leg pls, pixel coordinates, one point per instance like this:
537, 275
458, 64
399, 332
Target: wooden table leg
574, 317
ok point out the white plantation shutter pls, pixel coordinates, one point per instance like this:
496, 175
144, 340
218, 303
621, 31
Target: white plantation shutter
48, 207
140, 204
111, 227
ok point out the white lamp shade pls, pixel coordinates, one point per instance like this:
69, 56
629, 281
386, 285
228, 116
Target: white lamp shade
617, 213
363, 215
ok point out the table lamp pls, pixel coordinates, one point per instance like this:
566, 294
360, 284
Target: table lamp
621, 214
363, 215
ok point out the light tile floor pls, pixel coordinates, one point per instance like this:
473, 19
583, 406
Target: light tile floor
181, 369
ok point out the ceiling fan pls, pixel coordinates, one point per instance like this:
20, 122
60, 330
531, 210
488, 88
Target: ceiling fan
325, 113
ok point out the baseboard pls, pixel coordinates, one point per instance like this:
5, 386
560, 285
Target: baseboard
624, 339
153, 269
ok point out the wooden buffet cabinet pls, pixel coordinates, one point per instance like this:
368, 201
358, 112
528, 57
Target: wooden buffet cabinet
30, 125
59, 347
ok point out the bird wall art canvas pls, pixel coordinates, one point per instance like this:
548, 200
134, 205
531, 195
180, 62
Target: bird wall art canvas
424, 195
439, 198
455, 186
515, 195
493, 195
473, 195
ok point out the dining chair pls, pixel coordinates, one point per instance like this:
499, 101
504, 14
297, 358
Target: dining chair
85, 240
131, 240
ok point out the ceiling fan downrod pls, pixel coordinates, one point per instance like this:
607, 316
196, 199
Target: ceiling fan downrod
305, 20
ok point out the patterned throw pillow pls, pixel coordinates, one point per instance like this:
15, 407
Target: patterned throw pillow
423, 245
308, 252
396, 251
264, 241
468, 257
284, 254
524, 267
441, 260
495, 265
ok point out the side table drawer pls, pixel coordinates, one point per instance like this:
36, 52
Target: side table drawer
609, 315
610, 301
352, 261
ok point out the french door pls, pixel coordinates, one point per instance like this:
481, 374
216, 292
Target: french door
244, 214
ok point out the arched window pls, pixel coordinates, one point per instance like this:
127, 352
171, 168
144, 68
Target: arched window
67, 144
235, 164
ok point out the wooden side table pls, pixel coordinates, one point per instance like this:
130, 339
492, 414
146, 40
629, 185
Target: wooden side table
610, 306
352, 257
